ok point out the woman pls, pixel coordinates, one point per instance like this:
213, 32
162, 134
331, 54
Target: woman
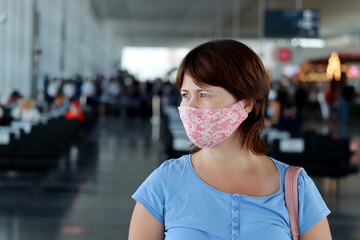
227, 188
26, 111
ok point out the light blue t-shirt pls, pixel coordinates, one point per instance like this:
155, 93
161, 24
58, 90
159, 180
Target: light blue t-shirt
190, 209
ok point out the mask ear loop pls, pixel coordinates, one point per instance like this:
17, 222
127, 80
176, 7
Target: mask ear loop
244, 105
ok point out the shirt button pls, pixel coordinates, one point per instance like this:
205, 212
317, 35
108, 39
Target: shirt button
235, 208
235, 236
235, 227
235, 198
235, 219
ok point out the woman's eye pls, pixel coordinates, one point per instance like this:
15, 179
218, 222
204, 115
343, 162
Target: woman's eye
203, 95
185, 95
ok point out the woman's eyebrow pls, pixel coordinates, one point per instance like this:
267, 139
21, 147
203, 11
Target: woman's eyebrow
196, 90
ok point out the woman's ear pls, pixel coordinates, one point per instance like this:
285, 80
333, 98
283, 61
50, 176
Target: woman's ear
248, 105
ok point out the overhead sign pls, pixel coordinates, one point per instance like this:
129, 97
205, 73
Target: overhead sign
292, 23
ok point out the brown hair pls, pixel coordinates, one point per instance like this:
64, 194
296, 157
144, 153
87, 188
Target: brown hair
235, 67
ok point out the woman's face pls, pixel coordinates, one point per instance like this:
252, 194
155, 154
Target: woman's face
205, 96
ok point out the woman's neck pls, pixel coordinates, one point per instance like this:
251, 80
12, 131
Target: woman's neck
228, 155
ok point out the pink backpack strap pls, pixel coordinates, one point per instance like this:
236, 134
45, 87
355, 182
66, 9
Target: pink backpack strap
291, 199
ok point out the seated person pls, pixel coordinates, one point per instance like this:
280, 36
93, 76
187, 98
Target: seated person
14, 99
290, 120
26, 111
60, 102
75, 112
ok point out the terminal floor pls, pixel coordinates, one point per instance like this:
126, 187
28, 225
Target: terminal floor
89, 197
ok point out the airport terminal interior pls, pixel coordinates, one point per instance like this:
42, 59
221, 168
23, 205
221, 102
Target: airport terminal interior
88, 103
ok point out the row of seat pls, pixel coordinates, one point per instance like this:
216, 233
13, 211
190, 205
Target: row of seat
27, 146
41, 148
320, 155
173, 135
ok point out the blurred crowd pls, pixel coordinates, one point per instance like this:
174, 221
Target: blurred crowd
293, 102
71, 94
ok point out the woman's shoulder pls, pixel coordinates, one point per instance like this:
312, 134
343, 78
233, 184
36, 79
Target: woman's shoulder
161, 180
282, 167
174, 165
303, 178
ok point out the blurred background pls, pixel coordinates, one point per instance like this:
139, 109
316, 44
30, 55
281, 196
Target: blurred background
88, 103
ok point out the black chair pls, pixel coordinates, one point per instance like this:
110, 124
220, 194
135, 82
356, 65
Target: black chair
167, 137
7, 152
91, 115
66, 131
291, 157
323, 156
39, 150
331, 157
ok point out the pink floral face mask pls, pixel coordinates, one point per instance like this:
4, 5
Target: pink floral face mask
209, 127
